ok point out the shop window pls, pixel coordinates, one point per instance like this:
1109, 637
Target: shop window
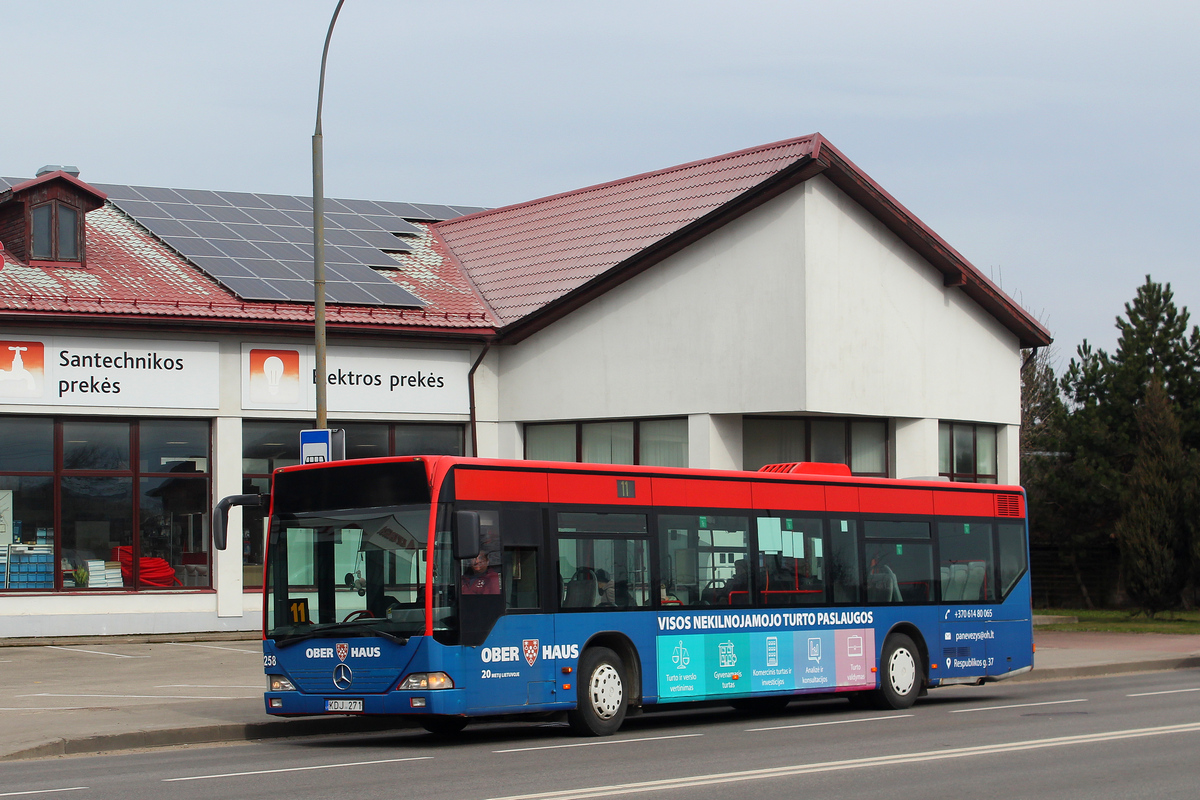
861, 444
652, 442
268, 445
967, 452
133, 499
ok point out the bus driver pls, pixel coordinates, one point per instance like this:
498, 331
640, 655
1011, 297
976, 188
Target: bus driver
482, 579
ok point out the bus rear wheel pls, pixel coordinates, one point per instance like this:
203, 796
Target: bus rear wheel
601, 698
900, 674
443, 726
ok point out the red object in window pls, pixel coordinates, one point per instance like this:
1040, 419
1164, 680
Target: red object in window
152, 571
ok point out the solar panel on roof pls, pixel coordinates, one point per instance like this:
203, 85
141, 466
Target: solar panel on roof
202, 197
260, 245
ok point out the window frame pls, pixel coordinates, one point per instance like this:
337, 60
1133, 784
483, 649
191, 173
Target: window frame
578, 424
969, 477
849, 440
135, 475
56, 238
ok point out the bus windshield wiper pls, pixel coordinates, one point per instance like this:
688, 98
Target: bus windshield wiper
333, 628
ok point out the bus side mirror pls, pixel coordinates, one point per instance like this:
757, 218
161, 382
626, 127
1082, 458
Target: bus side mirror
466, 529
220, 520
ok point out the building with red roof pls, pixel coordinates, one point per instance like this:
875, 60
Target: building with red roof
769, 305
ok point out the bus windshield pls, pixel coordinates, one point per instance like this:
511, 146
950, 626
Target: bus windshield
348, 572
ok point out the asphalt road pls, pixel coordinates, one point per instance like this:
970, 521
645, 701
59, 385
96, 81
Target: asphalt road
1132, 736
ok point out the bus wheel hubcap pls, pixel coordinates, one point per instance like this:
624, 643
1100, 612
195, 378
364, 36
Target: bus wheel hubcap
606, 691
902, 671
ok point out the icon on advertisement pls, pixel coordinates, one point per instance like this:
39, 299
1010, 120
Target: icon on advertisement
947, 636
814, 649
854, 646
947, 663
274, 376
772, 651
26, 369
680, 657
726, 655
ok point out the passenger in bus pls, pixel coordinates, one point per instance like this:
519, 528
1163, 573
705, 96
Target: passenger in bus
882, 585
605, 588
481, 579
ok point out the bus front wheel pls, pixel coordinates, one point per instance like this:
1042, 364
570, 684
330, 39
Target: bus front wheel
443, 725
601, 699
900, 674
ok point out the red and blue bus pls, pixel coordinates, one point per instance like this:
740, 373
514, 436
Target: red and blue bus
446, 589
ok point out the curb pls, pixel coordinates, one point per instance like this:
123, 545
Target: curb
134, 638
1099, 670
207, 734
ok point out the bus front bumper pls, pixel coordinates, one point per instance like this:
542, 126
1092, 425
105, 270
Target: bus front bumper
440, 701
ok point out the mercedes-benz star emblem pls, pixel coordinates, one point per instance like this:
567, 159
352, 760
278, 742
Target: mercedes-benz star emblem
342, 676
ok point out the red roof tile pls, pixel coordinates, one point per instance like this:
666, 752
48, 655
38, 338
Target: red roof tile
524, 257
131, 273
535, 261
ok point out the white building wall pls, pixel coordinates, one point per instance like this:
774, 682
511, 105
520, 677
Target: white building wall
885, 337
807, 304
714, 329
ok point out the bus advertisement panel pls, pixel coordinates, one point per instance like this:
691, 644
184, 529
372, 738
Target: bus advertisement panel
447, 588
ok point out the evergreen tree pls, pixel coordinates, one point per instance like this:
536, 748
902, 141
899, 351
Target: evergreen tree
1098, 432
1153, 529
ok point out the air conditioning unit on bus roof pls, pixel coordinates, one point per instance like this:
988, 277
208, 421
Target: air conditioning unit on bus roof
808, 468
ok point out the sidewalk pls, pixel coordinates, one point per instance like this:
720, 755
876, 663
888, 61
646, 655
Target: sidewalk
72, 696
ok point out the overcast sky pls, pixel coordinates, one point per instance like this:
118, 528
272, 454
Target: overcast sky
1055, 145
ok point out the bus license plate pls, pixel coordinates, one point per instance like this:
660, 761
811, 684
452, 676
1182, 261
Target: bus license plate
343, 705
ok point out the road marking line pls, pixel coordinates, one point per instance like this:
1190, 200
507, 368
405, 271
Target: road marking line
49, 708
1018, 705
215, 647
93, 652
43, 791
592, 744
146, 696
297, 769
857, 763
831, 722
1168, 691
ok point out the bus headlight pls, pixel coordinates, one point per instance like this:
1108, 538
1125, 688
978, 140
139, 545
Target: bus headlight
278, 683
426, 680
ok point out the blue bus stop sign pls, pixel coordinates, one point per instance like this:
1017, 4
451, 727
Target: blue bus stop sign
325, 444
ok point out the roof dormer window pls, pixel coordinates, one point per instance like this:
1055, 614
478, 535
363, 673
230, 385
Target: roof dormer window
55, 232
42, 220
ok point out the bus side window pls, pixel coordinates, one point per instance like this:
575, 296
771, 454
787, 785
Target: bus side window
1012, 556
705, 560
844, 576
791, 558
966, 570
899, 561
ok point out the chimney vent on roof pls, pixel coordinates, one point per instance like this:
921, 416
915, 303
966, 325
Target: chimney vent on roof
72, 171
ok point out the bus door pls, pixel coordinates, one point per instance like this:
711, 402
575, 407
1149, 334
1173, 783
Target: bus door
967, 587
504, 627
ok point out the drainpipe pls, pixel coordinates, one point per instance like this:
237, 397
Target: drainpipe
471, 391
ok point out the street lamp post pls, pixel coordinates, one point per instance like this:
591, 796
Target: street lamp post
318, 202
